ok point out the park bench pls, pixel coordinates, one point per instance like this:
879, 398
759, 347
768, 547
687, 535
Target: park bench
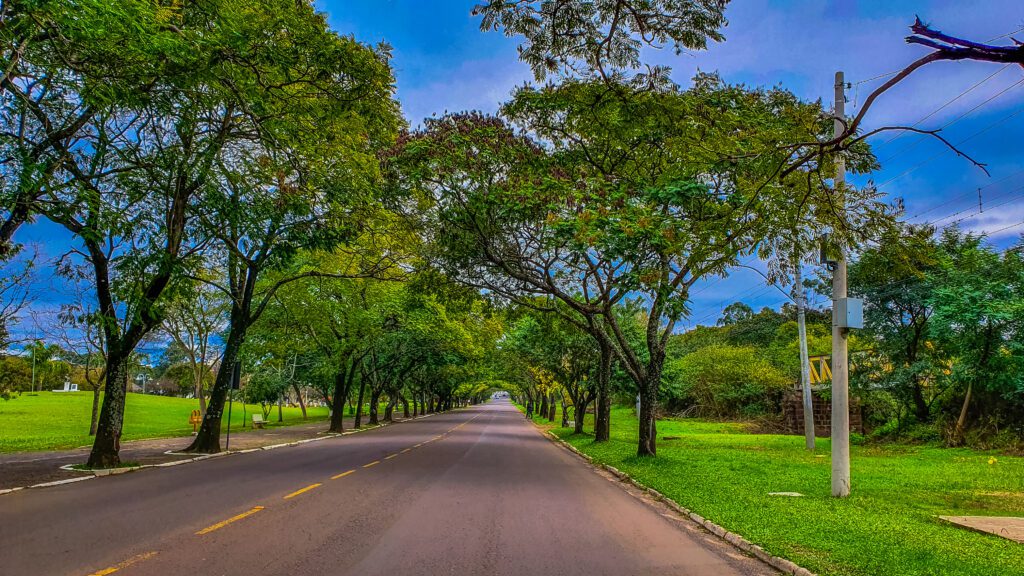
258, 421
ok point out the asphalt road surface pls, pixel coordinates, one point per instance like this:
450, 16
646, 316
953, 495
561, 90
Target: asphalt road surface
474, 491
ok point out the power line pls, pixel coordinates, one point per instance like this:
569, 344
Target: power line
1021, 29
965, 194
971, 137
950, 102
973, 214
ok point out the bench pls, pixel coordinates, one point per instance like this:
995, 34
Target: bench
258, 421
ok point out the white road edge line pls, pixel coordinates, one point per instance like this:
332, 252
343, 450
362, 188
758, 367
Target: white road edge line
92, 474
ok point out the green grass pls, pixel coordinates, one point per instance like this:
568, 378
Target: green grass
51, 421
888, 526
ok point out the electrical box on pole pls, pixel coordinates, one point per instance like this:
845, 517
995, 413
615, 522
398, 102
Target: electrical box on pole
849, 313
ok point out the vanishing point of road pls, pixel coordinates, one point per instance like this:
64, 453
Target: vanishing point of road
477, 491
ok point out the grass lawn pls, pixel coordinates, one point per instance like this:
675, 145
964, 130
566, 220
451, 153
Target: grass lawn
51, 421
887, 527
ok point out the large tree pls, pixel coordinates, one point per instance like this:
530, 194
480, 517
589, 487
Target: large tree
622, 193
309, 182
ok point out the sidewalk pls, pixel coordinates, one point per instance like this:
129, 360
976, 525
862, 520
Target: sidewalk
28, 468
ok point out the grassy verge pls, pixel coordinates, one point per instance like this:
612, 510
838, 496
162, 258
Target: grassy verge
52, 421
887, 527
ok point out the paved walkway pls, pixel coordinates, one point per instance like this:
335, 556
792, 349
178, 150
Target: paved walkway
28, 468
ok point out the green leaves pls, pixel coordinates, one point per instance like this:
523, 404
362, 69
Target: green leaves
602, 37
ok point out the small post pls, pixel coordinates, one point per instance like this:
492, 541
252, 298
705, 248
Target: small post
805, 363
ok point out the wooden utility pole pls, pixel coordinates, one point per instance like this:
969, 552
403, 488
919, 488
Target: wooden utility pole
840, 368
805, 363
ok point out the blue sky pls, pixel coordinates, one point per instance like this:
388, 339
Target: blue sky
443, 62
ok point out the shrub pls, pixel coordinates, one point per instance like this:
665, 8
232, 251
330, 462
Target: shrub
723, 380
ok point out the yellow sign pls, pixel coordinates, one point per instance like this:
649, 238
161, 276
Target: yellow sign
195, 419
823, 371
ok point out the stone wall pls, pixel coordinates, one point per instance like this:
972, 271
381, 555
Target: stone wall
793, 414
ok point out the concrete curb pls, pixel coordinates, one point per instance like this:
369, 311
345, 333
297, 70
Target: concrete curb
781, 564
90, 474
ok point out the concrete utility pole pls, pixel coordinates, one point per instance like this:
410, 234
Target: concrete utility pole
840, 368
805, 363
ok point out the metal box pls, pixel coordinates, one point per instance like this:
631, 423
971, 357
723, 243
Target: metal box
849, 313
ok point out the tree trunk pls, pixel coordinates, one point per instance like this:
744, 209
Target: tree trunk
921, 411
389, 410
961, 422
200, 396
579, 413
552, 409
341, 384
405, 406
207, 441
107, 444
95, 409
648, 433
374, 400
359, 403
603, 409
302, 404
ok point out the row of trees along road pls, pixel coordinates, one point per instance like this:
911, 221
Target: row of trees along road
231, 143
170, 139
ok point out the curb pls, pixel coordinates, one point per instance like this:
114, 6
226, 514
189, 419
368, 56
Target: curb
780, 564
90, 474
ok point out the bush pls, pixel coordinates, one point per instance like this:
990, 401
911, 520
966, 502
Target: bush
723, 380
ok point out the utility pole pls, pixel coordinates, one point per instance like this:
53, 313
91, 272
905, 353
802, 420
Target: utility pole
33, 367
840, 367
805, 363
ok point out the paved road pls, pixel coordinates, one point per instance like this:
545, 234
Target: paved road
475, 491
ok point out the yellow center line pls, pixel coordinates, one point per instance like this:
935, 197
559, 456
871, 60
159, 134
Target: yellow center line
390, 457
342, 475
124, 564
220, 525
302, 490
404, 451
374, 463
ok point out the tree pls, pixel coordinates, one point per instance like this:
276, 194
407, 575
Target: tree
79, 330
192, 319
978, 312
15, 295
620, 193
556, 347
735, 313
307, 182
147, 163
602, 37
727, 381
896, 280
63, 65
